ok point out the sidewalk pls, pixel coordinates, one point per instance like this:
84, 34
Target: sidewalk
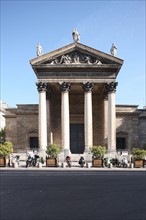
75, 167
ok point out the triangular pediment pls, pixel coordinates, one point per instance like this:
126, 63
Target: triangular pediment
75, 53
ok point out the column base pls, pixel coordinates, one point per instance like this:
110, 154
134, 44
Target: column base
88, 156
42, 153
66, 153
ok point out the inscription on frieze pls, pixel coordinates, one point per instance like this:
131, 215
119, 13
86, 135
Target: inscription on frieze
75, 74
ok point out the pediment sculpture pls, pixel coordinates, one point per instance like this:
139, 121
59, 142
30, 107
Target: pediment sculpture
75, 58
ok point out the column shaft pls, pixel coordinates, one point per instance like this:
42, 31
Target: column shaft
65, 122
42, 87
111, 89
88, 120
105, 122
111, 122
88, 124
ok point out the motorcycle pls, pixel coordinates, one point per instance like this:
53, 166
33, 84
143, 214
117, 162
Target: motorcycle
68, 161
32, 160
82, 161
120, 162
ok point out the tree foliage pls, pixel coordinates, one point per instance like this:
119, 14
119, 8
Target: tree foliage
53, 150
98, 151
6, 149
138, 153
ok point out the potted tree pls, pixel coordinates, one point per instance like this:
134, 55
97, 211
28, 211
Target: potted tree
138, 155
98, 153
52, 155
5, 150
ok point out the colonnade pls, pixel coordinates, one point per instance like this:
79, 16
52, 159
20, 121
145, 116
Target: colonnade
88, 121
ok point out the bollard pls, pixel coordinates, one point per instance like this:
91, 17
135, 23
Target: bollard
40, 165
131, 165
15, 165
88, 165
110, 165
63, 165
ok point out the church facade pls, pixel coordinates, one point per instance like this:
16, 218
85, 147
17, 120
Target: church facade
76, 88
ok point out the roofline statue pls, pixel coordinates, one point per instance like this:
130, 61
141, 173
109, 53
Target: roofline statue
76, 35
39, 50
113, 50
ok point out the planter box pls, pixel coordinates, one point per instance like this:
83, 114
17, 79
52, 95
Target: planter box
2, 162
138, 163
97, 162
51, 162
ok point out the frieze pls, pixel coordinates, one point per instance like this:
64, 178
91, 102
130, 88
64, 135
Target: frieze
75, 57
75, 74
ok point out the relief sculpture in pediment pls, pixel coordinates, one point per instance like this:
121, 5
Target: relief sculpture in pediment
75, 58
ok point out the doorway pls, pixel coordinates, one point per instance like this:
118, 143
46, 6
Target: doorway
120, 143
77, 138
33, 143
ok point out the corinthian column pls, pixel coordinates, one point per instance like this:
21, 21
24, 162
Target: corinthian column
88, 126
111, 89
42, 88
65, 122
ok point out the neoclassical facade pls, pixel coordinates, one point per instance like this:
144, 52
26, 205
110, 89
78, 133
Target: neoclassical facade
76, 88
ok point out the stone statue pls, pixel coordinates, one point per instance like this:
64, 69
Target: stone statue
39, 50
65, 59
113, 50
76, 35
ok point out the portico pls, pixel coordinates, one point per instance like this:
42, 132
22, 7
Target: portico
77, 86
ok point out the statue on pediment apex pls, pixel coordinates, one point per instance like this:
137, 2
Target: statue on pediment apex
76, 35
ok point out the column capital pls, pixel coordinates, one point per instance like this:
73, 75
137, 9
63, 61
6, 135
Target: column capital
88, 87
41, 86
111, 87
64, 87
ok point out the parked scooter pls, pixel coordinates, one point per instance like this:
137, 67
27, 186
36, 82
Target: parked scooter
68, 161
32, 160
120, 162
82, 161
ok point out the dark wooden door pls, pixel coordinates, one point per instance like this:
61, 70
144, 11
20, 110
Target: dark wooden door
77, 138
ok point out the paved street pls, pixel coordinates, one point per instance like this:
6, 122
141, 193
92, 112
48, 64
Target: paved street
72, 195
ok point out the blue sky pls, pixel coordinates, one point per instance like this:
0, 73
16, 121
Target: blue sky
100, 23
